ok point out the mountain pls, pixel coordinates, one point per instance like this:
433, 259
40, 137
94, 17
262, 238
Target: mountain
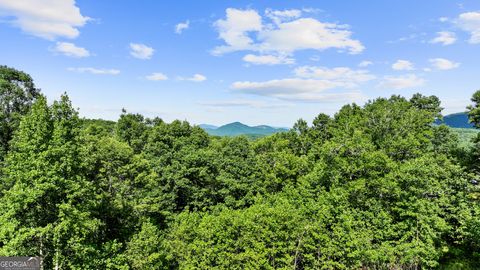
456, 120
237, 128
207, 126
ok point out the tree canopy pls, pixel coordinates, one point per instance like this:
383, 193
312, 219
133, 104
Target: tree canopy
377, 186
17, 93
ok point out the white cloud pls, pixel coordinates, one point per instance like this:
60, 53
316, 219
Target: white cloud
310, 84
279, 16
312, 10
443, 64
288, 34
308, 33
409, 38
157, 76
182, 26
195, 78
141, 51
95, 71
70, 49
403, 65
235, 28
365, 63
470, 22
47, 19
401, 82
295, 89
267, 59
443, 19
445, 38
344, 75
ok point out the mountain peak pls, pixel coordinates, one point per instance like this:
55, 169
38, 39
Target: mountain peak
456, 120
207, 126
238, 128
235, 124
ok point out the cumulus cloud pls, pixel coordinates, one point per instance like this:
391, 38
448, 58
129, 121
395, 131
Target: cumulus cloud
365, 63
182, 26
234, 30
95, 71
195, 78
288, 34
344, 75
70, 49
401, 82
279, 16
157, 76
283, 87
308, 33
296, 89
47, 19
310, 84
444, 38
403, 65
141, 51
268, 59
470, 22
443, 64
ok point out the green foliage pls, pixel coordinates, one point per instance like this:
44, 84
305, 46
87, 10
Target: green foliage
466, 136
378, 186
46, 198
146, 250
131, 129
474, 110
17, 93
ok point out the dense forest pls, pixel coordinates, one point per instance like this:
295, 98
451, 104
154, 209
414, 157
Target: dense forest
377, 186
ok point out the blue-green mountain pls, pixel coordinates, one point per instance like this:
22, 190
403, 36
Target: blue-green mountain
456, 120
207, 126
237, 128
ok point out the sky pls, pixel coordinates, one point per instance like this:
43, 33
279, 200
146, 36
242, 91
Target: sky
257, 62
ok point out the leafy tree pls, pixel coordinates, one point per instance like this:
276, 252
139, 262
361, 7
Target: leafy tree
444, 140
234, 162
474, 109
146, 249
45, 206
17, 93
474, 117
320, 127
430, 104
131, 128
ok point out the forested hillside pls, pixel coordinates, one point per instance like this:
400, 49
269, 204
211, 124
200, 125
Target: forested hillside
456, 120
376, 186
466, 136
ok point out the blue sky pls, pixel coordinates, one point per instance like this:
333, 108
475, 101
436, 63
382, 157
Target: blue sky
258, 62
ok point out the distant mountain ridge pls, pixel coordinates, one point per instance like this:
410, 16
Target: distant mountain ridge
207, 126
456, 120
237, 128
